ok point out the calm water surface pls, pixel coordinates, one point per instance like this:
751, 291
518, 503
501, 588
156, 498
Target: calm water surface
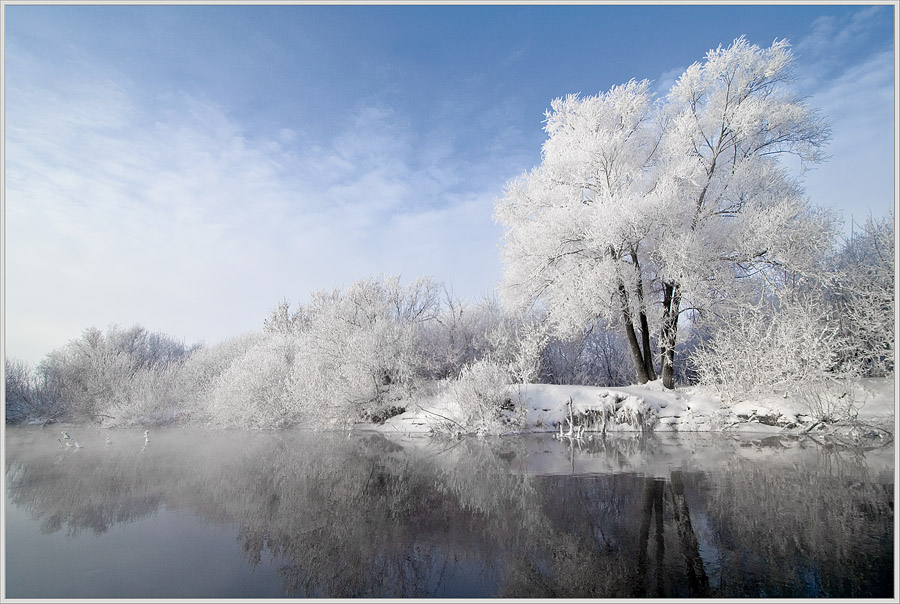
205, 514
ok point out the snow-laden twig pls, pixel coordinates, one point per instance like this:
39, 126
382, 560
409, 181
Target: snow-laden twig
441, 416
574, 432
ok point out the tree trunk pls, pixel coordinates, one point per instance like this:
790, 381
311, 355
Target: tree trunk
671, 304
636, 354
648, 354
642, 316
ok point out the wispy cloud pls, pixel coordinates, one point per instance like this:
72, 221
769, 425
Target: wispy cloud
182, 220
833, 44
859, 176
666, 80
852, 84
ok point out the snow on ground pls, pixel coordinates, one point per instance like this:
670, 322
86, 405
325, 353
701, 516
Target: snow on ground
687, 409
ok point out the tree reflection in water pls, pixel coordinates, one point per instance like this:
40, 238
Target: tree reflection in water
370, 516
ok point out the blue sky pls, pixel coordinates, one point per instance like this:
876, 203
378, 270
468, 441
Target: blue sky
188, 167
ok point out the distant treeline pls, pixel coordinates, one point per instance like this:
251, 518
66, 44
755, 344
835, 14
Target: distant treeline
358, 354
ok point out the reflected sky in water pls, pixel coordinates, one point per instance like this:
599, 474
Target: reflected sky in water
206, 514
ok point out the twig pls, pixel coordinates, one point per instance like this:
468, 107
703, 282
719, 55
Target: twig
51, 418
815, 424
441, 416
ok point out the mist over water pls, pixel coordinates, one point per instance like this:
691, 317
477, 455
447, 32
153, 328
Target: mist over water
197, 513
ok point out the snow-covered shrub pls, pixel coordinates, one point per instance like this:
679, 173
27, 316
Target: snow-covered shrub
149, 397
865, 293
25, 397
828, 401
517, 343
464, 333
756, 347
358, 350
808, 329
457, 335
254, 390
336, 379
480, 397
207, 364
17, 376
93, 376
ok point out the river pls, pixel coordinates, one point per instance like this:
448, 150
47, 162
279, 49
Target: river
196, 513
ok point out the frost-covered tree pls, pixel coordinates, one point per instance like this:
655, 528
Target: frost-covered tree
576, 225
465, 333
254, 391
730, 209
641, 210
459, 335
206, 365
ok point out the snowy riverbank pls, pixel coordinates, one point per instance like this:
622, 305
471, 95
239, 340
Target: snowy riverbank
688, 409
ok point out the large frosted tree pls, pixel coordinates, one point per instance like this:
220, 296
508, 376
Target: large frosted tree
642, 209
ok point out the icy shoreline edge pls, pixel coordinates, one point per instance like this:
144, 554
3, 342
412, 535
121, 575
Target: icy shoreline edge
651, 408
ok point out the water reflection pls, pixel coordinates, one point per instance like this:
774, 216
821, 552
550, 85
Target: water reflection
372, 516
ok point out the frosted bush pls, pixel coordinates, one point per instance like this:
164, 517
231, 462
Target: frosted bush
26, 399
333, 381
523, 353
594, 357
253, 391
104, 375
458, 336
480, 397
464, 333
357, 350
829, 401
207, 364
756, 347
865, 292
149, 397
